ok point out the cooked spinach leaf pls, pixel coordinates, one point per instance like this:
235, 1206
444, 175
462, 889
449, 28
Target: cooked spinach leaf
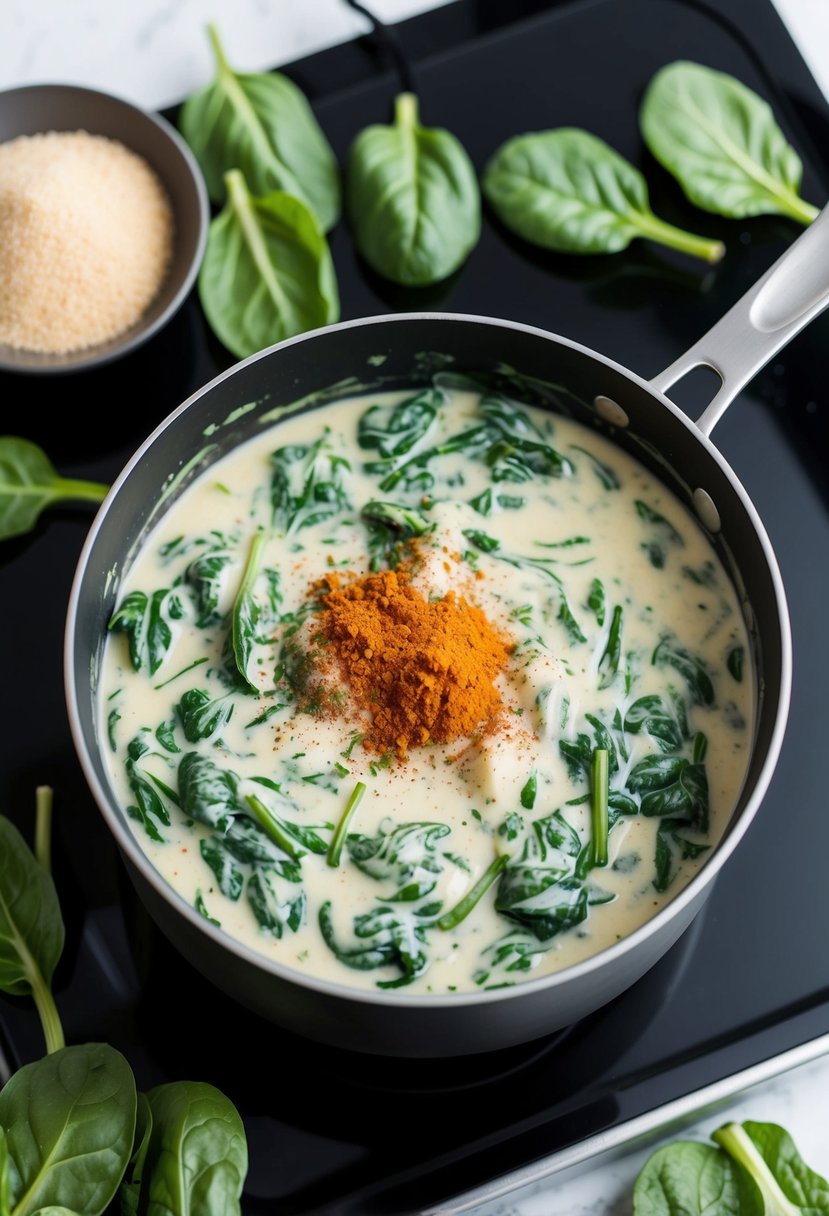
404, 857
612, 653
671, 849
668, 726
204, 575
307, 485
735, 663
69, 1122
202, 717
207, 792
145, 619
275, 909
386, 937
261, 124
569, 191
671, 786
29, 483
664, 535
690, 667
246, 612
267, 272
722, 143
545, 908
394, 430
412, 198
148, 808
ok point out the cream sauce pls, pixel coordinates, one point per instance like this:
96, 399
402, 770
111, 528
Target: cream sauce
530, 553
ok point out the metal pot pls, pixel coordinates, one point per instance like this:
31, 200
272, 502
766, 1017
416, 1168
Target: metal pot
307, 371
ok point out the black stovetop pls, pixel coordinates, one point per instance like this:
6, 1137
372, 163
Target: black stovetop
334, 1133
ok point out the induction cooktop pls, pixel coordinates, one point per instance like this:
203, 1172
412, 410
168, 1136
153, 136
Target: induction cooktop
331, 1132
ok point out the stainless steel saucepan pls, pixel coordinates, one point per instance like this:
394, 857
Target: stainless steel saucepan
639, 417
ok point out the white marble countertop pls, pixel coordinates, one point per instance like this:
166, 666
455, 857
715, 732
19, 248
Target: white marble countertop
154, 52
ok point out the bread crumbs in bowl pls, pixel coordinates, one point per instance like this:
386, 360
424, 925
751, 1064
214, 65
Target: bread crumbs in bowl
103, 222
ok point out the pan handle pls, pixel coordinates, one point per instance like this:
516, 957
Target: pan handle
788, 296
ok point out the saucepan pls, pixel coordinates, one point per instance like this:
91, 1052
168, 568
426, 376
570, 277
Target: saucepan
401, 351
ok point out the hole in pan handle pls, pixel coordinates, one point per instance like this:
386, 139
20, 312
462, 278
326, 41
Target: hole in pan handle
788, 296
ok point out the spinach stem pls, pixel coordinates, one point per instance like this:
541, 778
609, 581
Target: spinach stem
464, 906
739, 1145
48, 1011
88, 491
405, 110
184, 670
599, 792
335, 848
654, 229
43, 826
269, 822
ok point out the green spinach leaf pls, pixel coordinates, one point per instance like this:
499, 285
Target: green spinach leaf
145, 619
204, 575
129, 1191
669, 653
307, 484
404, 857
386, 937
569, 191
31, 929
261, 124
29, 482
69, 1121
202, 717
207, 792
197, 1157
412, 198
267, 272
688, 1179
722, 143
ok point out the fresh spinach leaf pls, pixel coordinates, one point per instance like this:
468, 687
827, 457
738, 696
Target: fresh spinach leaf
130, 1189
768, 1154
29, 483
687, 1178
722, 143
261, 124
267, 272
197, 1157
69, 1121
412, 198
569, 191
31, 930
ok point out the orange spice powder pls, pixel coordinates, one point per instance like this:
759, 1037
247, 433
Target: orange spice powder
424, 669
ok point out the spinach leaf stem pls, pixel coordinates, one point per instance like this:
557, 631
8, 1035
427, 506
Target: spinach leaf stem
43, 826
268, 821
48, 1012
336, 846
599, 801
464, 906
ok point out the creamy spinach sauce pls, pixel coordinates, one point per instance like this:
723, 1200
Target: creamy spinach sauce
628, 698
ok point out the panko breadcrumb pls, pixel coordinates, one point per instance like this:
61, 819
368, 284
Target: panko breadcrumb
86, 234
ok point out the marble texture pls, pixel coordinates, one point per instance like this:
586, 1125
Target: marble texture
154, 52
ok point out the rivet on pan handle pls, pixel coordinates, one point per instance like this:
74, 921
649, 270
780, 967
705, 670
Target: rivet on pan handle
788, 296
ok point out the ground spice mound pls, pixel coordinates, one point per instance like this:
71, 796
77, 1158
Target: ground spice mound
424, 669
85, 240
